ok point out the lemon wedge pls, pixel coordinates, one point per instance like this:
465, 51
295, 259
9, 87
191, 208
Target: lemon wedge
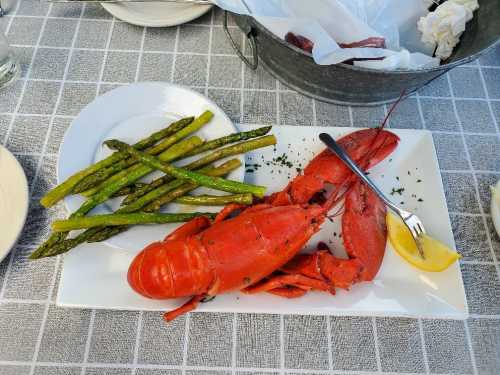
438, 256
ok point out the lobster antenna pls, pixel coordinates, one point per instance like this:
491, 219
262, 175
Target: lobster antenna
371, 152
393, 107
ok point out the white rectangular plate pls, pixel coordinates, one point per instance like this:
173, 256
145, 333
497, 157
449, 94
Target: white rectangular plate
94, 275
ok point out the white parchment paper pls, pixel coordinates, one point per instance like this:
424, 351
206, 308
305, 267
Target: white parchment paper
330, 22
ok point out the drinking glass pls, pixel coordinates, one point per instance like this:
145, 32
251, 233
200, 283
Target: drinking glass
9, 68
6, 6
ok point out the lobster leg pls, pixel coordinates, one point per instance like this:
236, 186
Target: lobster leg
318, 271
187, 307
226, 211
289, 291
193, 226
230, 208
323, 265
296, 280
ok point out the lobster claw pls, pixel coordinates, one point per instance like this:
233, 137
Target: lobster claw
364, 229
366, 147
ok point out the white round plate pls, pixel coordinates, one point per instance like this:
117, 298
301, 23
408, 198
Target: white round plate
156, 14
129, 113
14, 200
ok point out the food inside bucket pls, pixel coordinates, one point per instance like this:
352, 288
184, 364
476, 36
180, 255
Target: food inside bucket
377, 34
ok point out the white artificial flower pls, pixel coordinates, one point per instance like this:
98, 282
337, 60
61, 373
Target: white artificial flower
470, 6
442, 28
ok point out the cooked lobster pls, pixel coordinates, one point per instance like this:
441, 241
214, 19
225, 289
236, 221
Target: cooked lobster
256, 250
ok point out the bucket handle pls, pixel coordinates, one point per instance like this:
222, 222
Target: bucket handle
250, 34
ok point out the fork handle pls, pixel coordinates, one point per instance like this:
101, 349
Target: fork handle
342, 155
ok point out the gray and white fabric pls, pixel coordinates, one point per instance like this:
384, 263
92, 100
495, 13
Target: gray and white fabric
72, 53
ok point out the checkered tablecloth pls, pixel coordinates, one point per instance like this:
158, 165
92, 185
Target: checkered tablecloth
71, 53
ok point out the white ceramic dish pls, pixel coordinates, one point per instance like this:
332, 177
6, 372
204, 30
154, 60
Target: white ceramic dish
130, 113
14, 200
156, 14
95, 275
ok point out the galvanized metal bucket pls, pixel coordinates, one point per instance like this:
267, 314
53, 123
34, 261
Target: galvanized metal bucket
350, 85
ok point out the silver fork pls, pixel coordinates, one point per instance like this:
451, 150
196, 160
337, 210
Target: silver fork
411, 220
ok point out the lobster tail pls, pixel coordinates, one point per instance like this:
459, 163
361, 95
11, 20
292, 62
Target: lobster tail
170, 269
134, 277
